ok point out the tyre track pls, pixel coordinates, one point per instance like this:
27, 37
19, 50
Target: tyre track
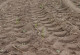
55, 26
15, 26
44, 17
57, 31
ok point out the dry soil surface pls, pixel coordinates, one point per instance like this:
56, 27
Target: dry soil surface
38, 27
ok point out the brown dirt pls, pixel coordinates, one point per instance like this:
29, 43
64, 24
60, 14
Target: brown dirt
72, 5
38, 27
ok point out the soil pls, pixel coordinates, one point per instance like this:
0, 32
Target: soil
38, 27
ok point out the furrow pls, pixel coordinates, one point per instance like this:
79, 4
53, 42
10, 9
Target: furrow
68, 39
60, 34
58, 28
48, 24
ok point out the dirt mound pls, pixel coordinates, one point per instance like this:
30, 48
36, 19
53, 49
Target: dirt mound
38, 27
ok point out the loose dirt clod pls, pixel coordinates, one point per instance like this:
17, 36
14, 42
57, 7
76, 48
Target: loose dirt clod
29, 53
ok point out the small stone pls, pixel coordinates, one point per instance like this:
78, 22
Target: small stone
1, 50
65, 52
24, 47
58, 51
58, 45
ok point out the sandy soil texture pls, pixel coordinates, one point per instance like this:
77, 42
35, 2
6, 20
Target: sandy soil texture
38, 27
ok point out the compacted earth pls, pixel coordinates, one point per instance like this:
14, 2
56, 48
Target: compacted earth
38, 27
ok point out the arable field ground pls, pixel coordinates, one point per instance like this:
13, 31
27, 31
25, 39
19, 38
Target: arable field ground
38, 27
